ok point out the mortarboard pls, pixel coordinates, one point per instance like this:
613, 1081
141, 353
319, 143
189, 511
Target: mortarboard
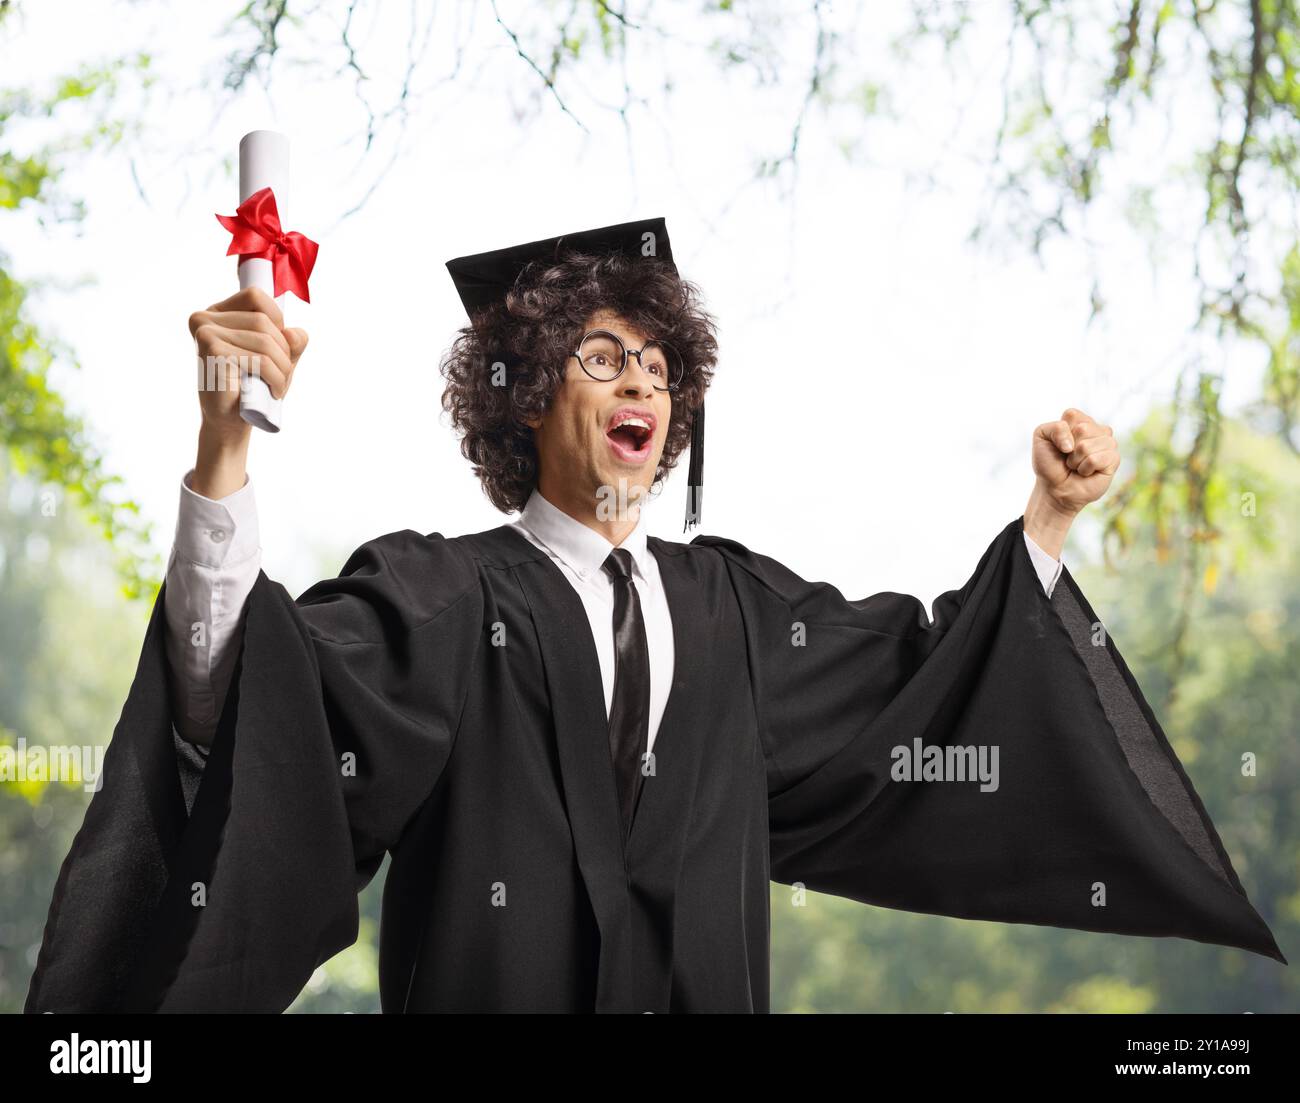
485, 278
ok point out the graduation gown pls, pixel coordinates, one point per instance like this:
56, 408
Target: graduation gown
441, 701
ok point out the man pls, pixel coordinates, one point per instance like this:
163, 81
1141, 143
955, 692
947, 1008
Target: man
587, 750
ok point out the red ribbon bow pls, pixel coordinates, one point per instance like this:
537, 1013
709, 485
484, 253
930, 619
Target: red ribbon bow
255, 232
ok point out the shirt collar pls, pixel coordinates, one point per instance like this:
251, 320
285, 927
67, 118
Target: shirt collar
578, 545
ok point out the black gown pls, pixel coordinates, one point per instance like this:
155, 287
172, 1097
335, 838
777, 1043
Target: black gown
441, 700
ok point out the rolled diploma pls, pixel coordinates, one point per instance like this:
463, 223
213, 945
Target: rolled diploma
263, 163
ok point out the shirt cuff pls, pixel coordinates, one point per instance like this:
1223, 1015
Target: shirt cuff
1049, 569
215, 532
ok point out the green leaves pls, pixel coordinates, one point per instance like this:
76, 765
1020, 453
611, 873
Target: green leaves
42, 437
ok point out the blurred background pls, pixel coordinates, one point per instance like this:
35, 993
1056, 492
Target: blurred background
923, 228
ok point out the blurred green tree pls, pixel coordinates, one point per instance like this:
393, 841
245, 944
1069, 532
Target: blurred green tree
64, 673
40, 435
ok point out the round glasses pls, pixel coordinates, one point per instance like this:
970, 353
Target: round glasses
603, 356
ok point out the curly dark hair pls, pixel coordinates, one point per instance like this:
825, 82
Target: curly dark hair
532, 334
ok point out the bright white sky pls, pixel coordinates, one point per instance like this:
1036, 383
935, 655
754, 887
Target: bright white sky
879, 378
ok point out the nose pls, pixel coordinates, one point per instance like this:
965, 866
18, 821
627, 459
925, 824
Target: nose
637, 380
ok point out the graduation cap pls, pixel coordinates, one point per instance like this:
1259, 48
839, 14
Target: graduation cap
486, 278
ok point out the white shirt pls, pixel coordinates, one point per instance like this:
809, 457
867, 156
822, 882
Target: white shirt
216, 556
213, 565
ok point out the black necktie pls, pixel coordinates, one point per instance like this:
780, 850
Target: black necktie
629, 713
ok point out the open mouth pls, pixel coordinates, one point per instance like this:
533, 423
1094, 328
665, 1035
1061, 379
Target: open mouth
630, 433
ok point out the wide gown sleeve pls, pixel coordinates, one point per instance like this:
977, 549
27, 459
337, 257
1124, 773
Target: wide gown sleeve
340, 717
1092, 824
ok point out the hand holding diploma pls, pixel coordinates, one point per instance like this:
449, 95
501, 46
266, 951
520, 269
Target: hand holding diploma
270, 257
246, 354
233, 335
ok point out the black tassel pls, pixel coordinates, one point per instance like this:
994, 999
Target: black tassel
695, 472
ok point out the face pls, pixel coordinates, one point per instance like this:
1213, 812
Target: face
601, 434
